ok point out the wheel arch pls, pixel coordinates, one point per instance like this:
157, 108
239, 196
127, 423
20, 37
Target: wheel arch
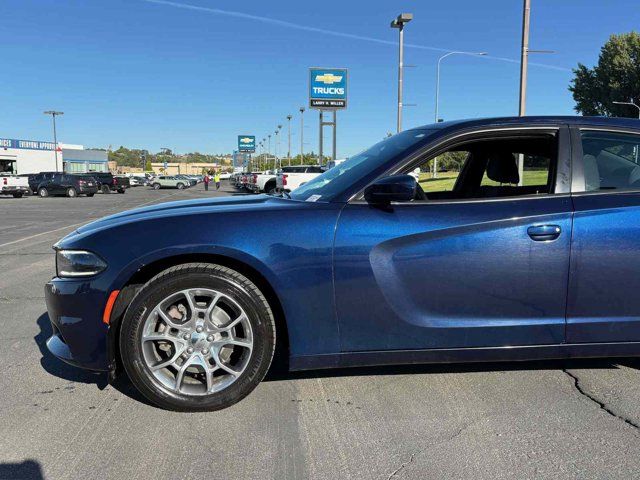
131, 287
269, 183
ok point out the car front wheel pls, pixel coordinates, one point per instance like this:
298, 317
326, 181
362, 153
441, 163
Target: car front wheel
72, 193
105, 189
180, 186
43, 192
156, 186
197, 337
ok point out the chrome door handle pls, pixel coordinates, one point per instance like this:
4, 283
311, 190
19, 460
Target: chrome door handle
543, 233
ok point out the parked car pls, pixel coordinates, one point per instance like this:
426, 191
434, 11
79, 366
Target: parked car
137, 179
14, 185
37, 178
71, 185
189, 182
108, 182
291, 178
371, 265
168, 181
263, 182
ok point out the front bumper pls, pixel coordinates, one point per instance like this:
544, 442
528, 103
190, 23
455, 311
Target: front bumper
75, 311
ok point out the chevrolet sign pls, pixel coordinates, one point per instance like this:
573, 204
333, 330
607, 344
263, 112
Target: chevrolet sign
246, 143
327, 88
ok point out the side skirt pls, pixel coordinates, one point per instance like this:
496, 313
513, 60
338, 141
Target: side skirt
465, 355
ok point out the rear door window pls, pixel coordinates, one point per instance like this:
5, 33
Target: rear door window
611, 160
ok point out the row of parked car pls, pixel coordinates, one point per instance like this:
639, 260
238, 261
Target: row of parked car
46, 184
285, 179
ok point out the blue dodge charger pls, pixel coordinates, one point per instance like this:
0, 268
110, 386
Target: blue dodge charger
526, 247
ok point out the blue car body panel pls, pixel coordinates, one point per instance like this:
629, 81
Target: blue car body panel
451, 275
289, 243
603, 303
362, 285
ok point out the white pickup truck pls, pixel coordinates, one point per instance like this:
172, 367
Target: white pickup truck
14, 185
291, 178
263, 182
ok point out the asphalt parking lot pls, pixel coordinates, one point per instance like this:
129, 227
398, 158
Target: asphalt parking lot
530, 420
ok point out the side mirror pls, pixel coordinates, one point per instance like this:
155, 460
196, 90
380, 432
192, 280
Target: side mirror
397, 188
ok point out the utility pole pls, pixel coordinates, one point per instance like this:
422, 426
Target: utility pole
289, 117
524, 60
53, 114
524, 63
524, 57
301, 135
399, 23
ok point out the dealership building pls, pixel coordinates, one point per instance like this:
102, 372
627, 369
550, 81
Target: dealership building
33, 156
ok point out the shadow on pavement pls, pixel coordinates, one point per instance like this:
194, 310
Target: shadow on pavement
27, 470
57, 367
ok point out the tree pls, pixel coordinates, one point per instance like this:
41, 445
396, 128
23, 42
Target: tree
616, 77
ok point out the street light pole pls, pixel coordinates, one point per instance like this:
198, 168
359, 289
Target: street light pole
435, 160
301, 135
631, 103
478, 54
399, 23
53, 114
289, 117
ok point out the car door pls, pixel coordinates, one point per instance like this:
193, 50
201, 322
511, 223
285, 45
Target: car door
603, 303
56, 186
472, 272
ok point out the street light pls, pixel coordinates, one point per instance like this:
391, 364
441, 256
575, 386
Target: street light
477, 54
301, 135
399, 23
164, 152
53, 114
630, 103
289, 117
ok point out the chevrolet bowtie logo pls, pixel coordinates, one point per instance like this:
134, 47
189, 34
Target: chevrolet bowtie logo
328, 78
246, 140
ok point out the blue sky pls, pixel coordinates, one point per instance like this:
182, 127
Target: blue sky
155, 73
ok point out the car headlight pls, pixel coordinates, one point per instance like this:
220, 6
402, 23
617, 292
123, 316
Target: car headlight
78, 263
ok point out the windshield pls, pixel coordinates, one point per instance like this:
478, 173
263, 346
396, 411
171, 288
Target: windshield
348, 173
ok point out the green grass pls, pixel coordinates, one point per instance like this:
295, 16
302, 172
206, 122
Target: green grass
446, 180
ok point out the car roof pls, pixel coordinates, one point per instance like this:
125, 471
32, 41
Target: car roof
533, 121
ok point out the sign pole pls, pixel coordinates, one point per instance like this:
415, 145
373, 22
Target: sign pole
335, 127
321, 139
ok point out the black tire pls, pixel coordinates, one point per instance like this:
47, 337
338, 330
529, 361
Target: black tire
105, 189
90, 194
156, 186
180, 186
72, 192
121, 191
43, 192
206, 276
17, 195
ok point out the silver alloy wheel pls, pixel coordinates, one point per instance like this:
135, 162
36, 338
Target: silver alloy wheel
197, 341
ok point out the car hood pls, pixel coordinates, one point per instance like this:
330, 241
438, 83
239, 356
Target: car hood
187, 207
